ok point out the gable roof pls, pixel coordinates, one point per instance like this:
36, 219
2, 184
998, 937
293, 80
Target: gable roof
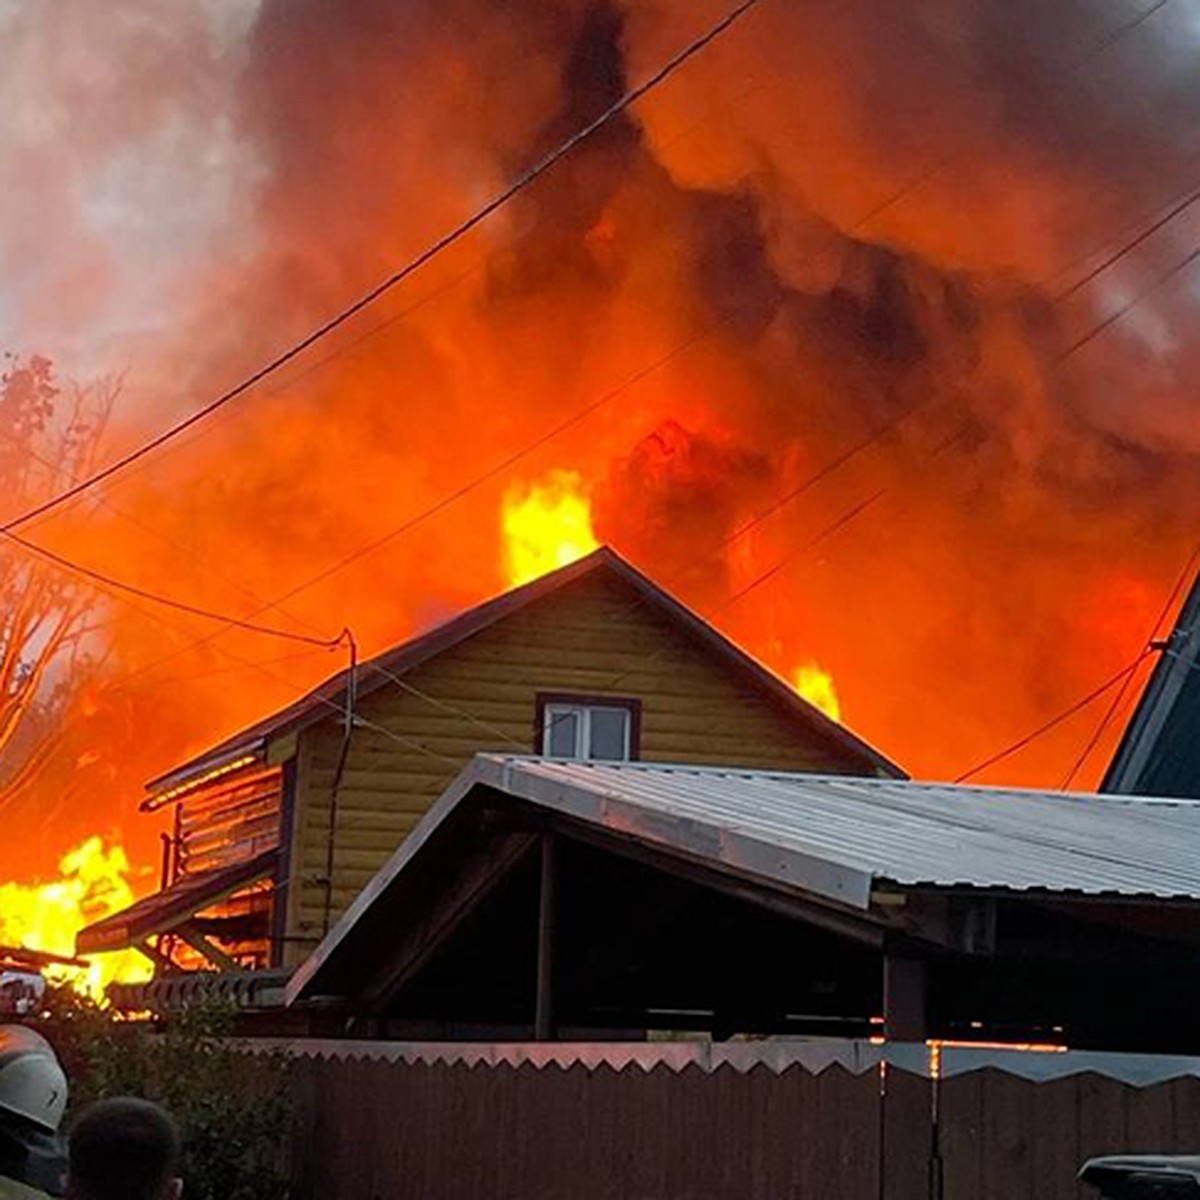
832, 837
329, 696
1159, 752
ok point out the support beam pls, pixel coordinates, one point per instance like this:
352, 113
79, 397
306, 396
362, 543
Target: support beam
413, 939
543, 1023
904, 1000
156, 956
202, 945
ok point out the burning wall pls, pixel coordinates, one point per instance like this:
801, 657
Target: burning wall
843, 217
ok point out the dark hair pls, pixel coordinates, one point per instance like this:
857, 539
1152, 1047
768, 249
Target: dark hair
122, 1149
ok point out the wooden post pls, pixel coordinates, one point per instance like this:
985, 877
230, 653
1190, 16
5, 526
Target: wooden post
904, 1000
543, 1021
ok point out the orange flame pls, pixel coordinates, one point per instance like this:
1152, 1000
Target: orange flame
817, 687
47, 916
546, 525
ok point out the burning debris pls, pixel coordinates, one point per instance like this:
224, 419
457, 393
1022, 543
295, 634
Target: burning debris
38, 922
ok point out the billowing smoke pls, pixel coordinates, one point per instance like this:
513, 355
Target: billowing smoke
845, 224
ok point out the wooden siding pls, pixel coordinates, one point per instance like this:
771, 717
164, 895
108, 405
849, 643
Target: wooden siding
696, 708
230, 821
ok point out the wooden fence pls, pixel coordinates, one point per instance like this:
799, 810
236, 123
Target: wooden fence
377, 1130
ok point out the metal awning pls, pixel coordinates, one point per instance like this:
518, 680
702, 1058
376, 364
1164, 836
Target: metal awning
172, 907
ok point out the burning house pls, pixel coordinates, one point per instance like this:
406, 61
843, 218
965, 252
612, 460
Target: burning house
278, 829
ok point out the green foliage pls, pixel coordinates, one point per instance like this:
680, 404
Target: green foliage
233, 1108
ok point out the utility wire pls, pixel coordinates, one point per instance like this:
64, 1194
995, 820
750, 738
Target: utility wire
1184, 574
1034, 734
178, 605
523, 181
1174, 211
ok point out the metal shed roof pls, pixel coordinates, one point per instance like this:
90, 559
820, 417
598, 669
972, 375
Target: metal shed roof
901, 831
836, 837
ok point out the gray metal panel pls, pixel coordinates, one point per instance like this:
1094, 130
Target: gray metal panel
829, 834
835, 836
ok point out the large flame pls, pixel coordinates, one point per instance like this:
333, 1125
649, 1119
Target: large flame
546, 525
817, 687
93, 882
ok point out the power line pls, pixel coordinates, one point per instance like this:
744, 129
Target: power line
1034, 734
446, 501
1130, 305
1164, 612
1174, 211
523, 181
195, 610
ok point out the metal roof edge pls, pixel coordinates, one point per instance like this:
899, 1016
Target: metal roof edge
741, 852
475, 772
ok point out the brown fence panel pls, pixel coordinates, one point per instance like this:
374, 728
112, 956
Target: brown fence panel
370, 1131
907, 1145
1001, 1136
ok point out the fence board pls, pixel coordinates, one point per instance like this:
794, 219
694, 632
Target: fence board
375, 1130
1054, 1154
907, 1137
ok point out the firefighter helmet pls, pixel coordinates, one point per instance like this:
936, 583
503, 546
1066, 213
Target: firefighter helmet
32, 1084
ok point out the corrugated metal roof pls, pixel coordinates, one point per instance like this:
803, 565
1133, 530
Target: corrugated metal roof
835, 836
901, 831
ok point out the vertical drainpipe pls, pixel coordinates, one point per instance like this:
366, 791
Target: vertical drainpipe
343, 754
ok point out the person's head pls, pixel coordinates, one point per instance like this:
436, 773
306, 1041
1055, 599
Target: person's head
123, 1149
33, 1087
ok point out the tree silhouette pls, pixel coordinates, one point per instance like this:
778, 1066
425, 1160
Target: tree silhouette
50, 436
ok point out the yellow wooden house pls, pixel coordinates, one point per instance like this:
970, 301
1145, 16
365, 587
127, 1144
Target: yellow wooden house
279, 827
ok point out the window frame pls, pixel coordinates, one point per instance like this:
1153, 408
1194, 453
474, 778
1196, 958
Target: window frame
545, 700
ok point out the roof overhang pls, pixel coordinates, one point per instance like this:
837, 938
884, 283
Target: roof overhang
329, 697
173, 907
832, 842
188, 779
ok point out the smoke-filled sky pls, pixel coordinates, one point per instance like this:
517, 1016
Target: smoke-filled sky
842, 217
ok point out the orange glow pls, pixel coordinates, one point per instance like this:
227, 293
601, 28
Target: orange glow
1024, 1047
546, 525
182, 789
817, 687
46, 916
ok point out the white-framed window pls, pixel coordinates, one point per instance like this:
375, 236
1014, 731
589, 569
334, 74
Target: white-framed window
588, 729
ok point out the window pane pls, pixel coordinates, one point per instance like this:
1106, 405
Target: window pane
561, 737
610, 734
